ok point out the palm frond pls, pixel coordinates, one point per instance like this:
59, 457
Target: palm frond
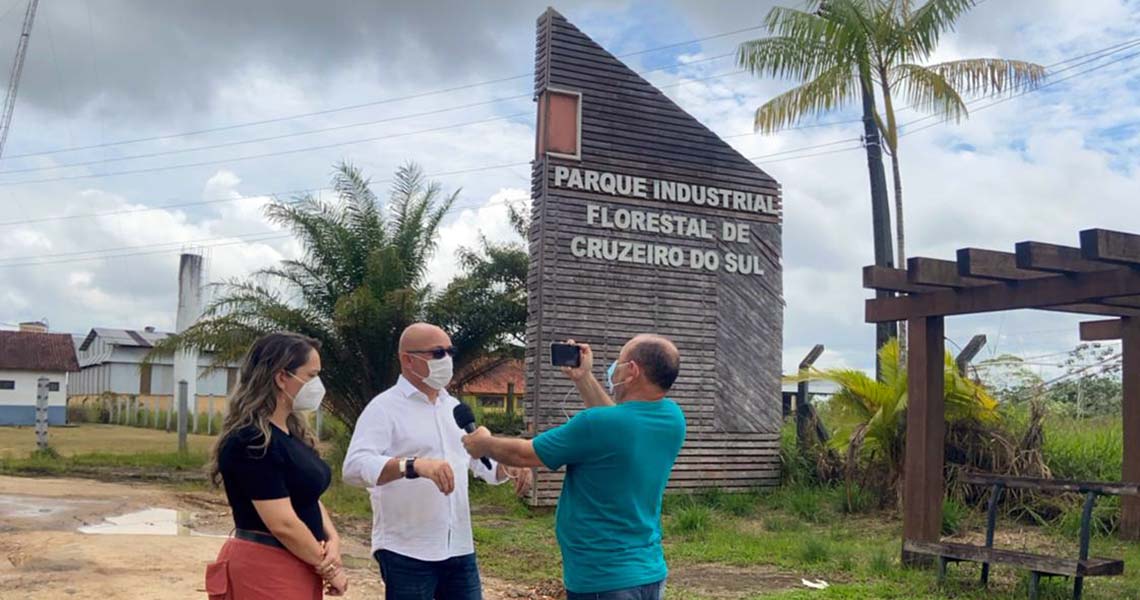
927, 91
921, 29
978, 76
787, 57
833, 89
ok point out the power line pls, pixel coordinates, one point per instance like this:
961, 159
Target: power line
328, 129
391, 100
1103, 52
293, 134
684, 81
231, 242
1040, 87
228, 199
177, 246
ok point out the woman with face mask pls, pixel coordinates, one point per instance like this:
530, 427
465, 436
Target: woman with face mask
284, 546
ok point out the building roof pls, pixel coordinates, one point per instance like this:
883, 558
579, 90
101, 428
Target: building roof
494, 382
124, 337
47, 352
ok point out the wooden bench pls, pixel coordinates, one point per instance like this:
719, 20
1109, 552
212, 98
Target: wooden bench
1038, 565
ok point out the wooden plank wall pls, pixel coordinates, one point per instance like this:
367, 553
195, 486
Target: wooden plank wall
727, 326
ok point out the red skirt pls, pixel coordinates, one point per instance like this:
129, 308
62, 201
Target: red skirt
251, 571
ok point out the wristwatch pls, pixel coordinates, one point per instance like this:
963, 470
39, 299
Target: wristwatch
410, 468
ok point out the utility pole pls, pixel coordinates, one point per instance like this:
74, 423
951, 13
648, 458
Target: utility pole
14, 75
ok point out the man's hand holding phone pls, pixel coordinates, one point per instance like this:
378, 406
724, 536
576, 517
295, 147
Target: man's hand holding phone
585, 366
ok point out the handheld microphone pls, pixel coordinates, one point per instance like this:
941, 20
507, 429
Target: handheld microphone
465, 419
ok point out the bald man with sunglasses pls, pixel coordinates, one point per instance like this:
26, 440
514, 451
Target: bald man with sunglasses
408, 452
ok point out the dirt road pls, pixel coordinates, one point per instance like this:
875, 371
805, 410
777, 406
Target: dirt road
43, 555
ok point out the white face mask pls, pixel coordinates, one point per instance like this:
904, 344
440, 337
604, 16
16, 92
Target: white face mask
309, 396
439, 372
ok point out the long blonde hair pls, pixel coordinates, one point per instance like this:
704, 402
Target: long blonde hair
255, 398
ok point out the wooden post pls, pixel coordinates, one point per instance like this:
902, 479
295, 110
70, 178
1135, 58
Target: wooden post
925, 433
133, 416
114, 401
42, 414
1130, 505
170, 414
154, 412
803, 403
510, 399
210, 416
968, 353
182, 410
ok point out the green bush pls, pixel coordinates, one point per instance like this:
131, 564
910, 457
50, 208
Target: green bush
953, 513
1104, 522
691, 519
815, 551
881, 563
500, 423
854, 500
86, 412
804, 502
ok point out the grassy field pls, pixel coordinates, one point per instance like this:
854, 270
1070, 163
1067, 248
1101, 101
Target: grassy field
738, 546
90, 438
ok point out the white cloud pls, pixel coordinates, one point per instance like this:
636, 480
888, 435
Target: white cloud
464, 230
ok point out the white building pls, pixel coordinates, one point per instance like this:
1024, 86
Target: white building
111, 363
25, 357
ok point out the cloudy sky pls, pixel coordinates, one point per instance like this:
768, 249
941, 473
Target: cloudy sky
225, 104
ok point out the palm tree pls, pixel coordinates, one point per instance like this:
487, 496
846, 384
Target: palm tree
843, 49
360, 282
869, 415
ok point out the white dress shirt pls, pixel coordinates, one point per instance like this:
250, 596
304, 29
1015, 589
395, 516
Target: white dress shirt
412, 517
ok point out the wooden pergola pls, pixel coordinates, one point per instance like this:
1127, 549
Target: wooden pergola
1101, 277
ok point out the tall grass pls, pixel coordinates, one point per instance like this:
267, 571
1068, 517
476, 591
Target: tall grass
1084, 449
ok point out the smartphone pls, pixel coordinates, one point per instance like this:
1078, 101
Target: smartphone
565, 355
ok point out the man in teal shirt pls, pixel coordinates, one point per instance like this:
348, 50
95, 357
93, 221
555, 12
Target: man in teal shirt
618, 454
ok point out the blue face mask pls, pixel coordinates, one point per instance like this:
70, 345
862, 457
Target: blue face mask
610, 377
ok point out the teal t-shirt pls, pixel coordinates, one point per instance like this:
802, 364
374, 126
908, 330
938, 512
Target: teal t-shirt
618, 460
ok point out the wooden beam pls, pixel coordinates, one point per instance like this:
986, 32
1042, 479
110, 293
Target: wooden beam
1113, 488
925, 431
1058, 259
892, 280
1110, 246
1098, 331
991, 264
940, 273
1102, 308
1035, 293
1130, 506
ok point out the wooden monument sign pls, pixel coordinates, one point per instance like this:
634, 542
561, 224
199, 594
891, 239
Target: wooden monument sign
645, 221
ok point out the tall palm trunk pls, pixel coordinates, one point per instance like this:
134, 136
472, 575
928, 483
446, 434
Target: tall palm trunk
891, 134
880, 207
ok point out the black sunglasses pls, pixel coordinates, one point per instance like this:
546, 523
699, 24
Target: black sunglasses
436, 353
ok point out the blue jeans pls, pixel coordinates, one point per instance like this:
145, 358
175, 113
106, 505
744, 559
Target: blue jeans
652, 591
406, 578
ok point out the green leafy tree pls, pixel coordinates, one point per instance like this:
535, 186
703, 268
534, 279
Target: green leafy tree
359, 283
485, 308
